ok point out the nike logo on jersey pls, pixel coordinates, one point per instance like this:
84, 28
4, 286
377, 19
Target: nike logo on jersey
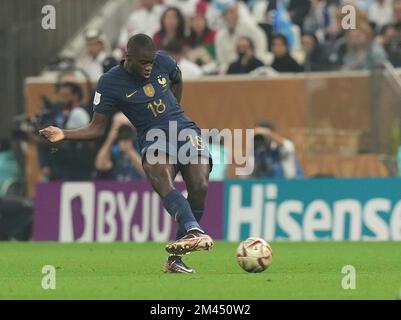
130, 95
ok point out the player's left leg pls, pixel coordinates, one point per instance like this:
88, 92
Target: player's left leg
196, 178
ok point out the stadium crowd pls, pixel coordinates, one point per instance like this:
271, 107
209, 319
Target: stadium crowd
218, 37
237, 37
231, 37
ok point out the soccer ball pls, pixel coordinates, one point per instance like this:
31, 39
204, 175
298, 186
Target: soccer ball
254, 255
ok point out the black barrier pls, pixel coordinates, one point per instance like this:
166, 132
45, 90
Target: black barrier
15, 218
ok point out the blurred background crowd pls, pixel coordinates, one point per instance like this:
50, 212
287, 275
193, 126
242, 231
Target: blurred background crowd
239, 37
207, 38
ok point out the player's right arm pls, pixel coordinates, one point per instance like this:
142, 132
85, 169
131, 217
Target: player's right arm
93, 130
104, 106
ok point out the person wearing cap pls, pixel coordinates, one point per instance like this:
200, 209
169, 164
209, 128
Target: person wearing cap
96, 60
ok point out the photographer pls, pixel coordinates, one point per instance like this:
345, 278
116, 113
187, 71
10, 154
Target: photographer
274, 155
118, 158
62, 163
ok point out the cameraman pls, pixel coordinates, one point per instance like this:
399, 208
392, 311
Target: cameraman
70, 160
274, 156
118, 158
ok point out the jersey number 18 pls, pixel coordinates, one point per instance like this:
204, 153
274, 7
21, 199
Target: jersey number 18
157, 107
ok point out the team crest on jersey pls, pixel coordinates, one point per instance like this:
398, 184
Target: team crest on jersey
162, 81
149, 90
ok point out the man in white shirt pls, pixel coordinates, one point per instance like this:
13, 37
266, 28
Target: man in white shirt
96, 54
234, 28
145, 19
381, 13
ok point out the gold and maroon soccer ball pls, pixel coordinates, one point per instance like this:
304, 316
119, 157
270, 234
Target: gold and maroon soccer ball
254, 255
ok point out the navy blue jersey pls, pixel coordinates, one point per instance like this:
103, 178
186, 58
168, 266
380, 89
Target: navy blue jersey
147, 103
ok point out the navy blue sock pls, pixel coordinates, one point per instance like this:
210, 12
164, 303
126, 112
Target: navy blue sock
178, 207
198, 213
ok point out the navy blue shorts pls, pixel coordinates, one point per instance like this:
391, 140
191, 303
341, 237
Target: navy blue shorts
184, 147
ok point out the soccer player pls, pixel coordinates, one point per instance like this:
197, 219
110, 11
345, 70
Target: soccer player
147, 88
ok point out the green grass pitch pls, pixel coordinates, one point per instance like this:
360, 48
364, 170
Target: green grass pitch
133, 271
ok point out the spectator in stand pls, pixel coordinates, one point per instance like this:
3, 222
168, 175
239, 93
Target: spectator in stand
397, 11
172, 27
363, 5
381, 13
186, 7
361, 53
215, 8
201, 38
283, 62
316, 57
392, 43
97, 60
118, 158
298, 10
335, 39
188, 69
145, 19
246, 58
234, 28
322, 18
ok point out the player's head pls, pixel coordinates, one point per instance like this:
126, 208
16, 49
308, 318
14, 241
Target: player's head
140, 55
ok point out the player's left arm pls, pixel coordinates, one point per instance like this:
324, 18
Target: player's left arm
176, 85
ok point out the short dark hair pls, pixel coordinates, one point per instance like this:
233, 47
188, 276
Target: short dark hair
279, 36
74, 87
267, 124
312, 35
140, 43
126, 132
